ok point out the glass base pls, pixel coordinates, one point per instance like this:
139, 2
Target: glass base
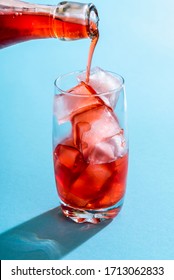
91, 216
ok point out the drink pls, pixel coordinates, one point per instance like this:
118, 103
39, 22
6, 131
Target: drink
91, 52
22, 21
82, 184
91, 161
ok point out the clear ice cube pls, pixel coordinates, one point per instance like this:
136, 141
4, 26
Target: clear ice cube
103, 82
108, 150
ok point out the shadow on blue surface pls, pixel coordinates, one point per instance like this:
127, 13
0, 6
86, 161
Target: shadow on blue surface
49, 236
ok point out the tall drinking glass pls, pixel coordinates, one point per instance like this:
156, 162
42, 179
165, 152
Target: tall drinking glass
90, 146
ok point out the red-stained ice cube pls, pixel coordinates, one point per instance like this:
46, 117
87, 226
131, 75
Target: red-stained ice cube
92, 127
89, 184
75, 101
68, 165
114, 188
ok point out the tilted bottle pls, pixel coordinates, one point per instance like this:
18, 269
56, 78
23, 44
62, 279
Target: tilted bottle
22, 21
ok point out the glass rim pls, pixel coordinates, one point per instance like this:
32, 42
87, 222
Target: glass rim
62, 91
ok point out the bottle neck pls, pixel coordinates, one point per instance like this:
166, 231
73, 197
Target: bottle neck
77, 20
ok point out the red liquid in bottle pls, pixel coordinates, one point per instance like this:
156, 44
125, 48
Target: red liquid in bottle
16, 27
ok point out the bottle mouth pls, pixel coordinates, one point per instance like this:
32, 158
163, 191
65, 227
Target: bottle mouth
93, 19
79, 13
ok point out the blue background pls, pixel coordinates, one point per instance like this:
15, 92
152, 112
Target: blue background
136, 41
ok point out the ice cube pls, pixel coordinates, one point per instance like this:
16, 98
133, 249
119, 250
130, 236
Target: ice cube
114, 188
75, 102
108, 150
88, 185
102, 152
68, 165
69, 157
103, 82
94, 126
119, 144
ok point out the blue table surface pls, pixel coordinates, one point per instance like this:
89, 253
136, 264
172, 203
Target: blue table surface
136, 41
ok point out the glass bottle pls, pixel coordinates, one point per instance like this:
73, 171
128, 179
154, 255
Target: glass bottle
22, 21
